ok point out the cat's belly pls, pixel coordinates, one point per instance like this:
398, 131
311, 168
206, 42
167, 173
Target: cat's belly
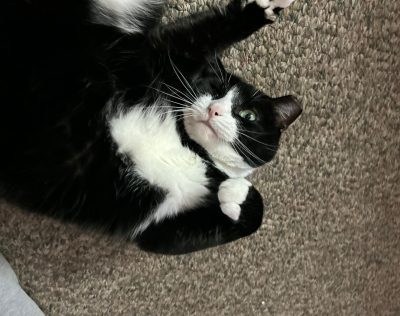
153, 144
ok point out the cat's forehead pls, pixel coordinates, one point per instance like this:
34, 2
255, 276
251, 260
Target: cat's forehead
250, 97
219, 83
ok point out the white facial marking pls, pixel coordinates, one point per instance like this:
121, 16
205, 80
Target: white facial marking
231, 194
210, 124
123, 14
205, 116
153, 144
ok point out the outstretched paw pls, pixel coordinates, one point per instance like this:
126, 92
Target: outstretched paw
231, 194
270, 6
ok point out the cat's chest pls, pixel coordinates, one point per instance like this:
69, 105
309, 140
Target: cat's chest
153, 144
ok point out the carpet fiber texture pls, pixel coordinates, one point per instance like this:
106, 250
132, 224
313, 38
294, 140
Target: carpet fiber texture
330, 240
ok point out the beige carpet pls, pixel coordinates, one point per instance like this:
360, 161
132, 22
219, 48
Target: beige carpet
330, 241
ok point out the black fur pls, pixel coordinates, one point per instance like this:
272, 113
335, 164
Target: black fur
61, 74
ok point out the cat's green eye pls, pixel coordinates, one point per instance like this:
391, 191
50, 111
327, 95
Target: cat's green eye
248, 115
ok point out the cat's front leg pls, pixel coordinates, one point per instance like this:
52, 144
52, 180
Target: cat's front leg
215, 30
206, 226
231, 195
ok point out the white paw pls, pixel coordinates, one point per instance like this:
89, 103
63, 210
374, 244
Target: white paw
231, 194
231, 210
270, 5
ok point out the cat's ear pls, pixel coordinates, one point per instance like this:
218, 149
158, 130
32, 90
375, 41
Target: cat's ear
287, 109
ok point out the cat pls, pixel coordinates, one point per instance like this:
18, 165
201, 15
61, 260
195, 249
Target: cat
112, 119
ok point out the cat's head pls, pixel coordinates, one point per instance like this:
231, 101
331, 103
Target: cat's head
238, 125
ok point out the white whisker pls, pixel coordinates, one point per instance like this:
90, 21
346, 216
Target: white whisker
219, 69
180, 76
178, 103
237, 149
177, 92
213, 69
268, 146
249, 151
171, 95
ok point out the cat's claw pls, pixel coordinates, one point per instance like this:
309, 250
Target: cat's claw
270, 5
231, 194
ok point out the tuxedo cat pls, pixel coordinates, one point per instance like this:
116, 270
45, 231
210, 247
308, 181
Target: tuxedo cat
110, 118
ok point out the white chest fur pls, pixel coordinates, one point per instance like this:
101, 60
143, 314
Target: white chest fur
153, 144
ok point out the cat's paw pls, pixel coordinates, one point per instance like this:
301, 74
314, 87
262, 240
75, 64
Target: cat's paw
270, 5
231, 194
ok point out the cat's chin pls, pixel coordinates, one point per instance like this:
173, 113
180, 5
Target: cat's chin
201, 131
208, 130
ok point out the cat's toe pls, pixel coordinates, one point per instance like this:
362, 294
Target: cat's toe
270, 6
233, 190
231, 194
232, 210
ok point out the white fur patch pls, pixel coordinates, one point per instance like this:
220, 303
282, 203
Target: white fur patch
217, 141
154, 145
123, 13
231, 194
270, 5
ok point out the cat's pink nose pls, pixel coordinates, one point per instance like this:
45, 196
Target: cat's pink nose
215, 110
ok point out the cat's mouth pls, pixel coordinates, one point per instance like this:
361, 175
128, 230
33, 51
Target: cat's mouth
201, 126
208, 125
